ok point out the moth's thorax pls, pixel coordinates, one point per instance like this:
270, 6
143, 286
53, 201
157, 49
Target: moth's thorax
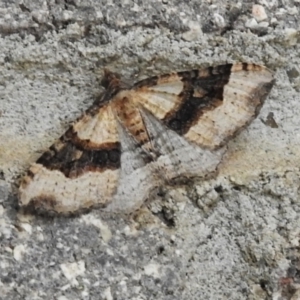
125, 107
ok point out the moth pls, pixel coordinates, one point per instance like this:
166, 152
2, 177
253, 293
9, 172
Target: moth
136, 138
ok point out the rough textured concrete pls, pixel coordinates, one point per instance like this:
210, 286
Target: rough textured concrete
232, 237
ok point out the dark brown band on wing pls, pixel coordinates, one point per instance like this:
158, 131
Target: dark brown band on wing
73, 159
148, 82
84, 144
203, 91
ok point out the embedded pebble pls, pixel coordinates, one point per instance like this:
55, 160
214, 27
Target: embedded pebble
152, 269
264, 24
194, 33
72, 270
104, 230
281, 12
259, 12
62, 298
274, 21
291, 36
27, 227
107, 294
292, 10
18, 252
251, 23
219, 20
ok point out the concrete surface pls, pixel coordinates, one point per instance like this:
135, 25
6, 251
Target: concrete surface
232, 237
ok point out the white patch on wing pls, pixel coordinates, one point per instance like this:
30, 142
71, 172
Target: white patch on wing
158, 103
174, 85
241, 100
69, 194
99, 129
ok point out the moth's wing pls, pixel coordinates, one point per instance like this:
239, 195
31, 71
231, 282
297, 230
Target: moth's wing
97, 162
79, 171
137, 175
178, 158
209, 106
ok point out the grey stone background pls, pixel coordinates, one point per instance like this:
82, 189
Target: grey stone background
232, 237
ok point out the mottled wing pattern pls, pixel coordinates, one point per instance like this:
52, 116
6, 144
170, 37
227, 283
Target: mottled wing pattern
207, 106
100, 161
79, 171
135, 139
177, 158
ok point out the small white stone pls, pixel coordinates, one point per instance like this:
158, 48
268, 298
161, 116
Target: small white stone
152, 270
251, 23
62, 298
65, 287
281, 12
104, 230
212, 195
109, 252
59, 245
27, 227
67, 15
19, 250
291, 35
259, 12
123, 286
264, 24
186, 51
125, 2
107, 294
194, 33
99, 14
178, 252
40, 15
135, 8
72, 270
274, 21
84, 294
292, 10
128, 231
8, 249
219, 20
4, 265
74, 29
120, 21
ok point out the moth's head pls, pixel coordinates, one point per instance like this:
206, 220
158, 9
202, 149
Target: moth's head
110, 79
113, 82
